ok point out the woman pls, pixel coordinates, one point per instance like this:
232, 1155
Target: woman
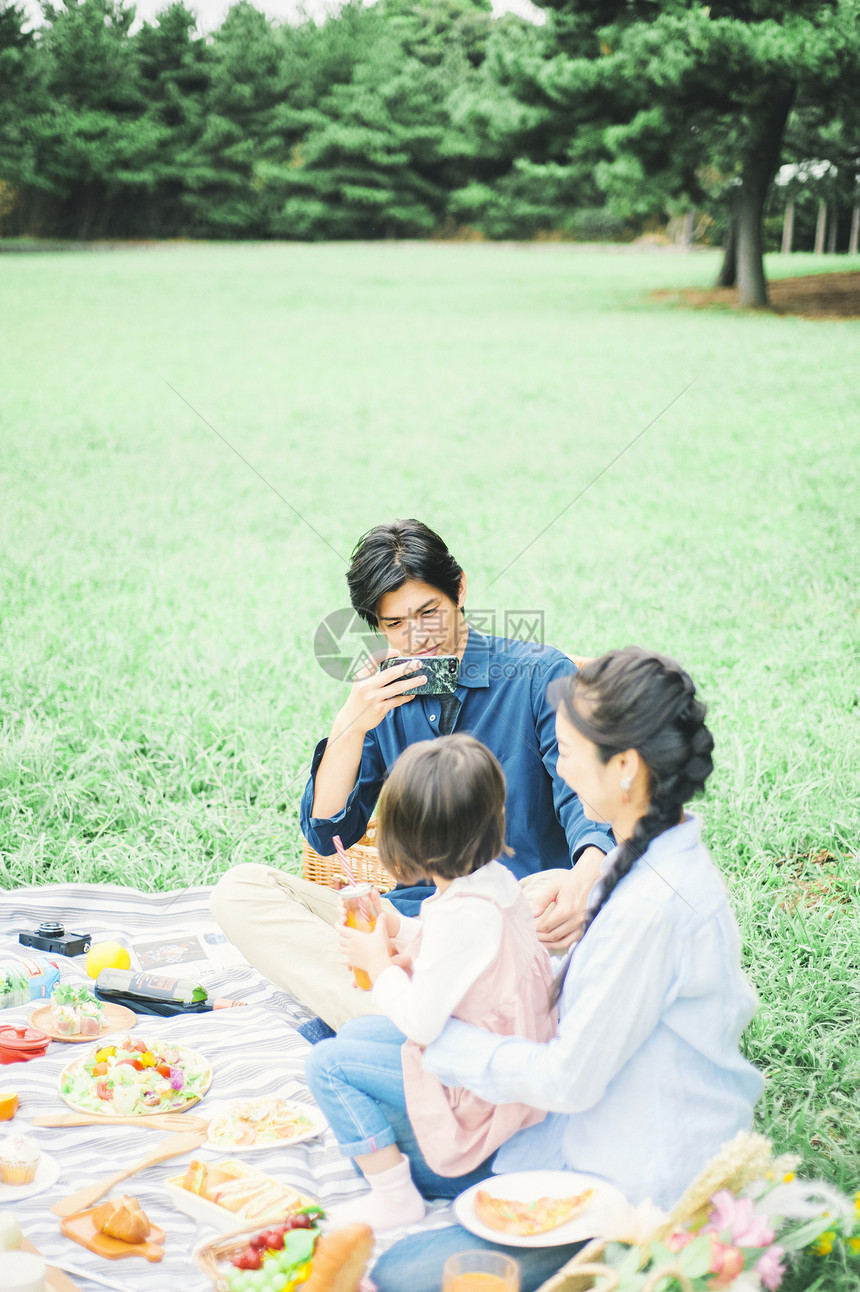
644, 1081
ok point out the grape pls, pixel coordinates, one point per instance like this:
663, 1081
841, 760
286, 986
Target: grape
279, 1281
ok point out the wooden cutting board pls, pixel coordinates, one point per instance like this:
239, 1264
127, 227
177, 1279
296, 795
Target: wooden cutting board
57, 1280
80, 1227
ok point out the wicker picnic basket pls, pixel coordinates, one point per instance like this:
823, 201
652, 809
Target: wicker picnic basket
218, 1251
211, 1257
363, 857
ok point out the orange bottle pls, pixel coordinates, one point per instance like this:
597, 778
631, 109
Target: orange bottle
359, 915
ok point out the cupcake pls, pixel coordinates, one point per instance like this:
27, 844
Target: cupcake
19, 1158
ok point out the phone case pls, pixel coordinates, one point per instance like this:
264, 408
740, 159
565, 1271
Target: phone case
441, 672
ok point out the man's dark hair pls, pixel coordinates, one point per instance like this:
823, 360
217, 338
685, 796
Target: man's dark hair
442, 810
389, 556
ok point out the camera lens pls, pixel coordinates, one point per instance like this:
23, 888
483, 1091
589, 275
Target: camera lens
51, 929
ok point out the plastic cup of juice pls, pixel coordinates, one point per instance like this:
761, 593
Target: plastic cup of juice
359, 915
480, 1271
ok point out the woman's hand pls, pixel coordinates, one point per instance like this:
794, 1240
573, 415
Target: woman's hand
559, 908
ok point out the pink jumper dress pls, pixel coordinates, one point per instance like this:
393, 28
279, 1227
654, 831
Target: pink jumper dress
455, 1128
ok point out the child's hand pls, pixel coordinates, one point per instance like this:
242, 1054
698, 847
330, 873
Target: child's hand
367, 951
386, 911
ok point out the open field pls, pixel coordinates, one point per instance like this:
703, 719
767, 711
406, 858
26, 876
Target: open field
159, 697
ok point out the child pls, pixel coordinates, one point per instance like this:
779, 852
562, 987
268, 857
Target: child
474, 956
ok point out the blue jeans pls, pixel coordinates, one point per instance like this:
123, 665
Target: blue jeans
357, 1080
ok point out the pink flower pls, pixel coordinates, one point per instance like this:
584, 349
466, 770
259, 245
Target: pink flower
680, 1239
726, 1263
738, 1217
770, 1268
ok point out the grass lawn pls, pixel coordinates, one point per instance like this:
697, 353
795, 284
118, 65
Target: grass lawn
162, 570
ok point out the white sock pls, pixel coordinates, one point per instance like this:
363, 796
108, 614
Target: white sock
393, 1201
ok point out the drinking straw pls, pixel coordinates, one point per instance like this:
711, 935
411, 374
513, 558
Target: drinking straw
344, 861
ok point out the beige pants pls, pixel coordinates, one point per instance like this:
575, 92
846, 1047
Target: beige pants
284, 926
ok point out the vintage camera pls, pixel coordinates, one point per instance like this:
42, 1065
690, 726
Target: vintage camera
51, 936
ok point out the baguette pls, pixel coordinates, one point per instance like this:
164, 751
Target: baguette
340, 1259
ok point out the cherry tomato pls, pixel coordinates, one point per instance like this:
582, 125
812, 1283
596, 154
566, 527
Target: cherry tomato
163, 1070
140, 1046
132, 1063
274, 1240
301, 1222
258, 1242
103, 1090
250, 1259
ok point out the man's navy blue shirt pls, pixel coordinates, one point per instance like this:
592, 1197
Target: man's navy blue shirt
502, 689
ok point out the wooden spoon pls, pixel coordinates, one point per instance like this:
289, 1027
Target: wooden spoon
158, 1121
90, 1193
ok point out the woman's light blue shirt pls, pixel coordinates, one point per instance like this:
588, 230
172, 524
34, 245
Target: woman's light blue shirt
645, 1080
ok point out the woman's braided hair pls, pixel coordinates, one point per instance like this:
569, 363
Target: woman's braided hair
637, 699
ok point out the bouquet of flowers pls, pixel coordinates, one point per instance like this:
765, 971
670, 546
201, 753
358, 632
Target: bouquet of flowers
734, 1228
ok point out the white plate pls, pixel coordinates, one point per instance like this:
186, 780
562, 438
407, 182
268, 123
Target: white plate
601, 1214
47, 1173
318, 1124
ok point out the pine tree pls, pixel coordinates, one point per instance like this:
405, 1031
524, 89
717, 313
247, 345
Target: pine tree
680, 101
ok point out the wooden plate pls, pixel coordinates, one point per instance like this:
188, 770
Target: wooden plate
81, 1229
116, 1018
178, 1107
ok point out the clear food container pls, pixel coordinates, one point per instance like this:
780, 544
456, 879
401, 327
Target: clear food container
14, 984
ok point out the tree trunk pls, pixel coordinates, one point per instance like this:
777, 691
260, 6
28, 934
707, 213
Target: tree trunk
854, 236
831, 237
820, 228
758, 171
728, 275
788, 229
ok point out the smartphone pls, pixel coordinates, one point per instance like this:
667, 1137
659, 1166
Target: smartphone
441, 672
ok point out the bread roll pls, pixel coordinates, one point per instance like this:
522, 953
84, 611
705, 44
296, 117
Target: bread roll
340, 1259
122, 1218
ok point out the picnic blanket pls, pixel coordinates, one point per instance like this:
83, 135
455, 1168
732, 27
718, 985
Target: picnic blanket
254, 1051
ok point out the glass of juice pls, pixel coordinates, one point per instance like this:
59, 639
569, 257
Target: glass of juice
359, 915
481, 1271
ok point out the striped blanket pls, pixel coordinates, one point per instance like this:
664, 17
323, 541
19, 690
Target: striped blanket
253, 1051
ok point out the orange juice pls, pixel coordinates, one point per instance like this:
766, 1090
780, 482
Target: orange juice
480, 1271
361, 916
479, 1283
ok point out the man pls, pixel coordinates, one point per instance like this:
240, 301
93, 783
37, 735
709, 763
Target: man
404, 582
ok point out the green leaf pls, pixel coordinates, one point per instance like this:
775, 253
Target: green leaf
695, 1259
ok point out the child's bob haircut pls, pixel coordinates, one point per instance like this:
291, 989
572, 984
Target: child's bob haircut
442, 810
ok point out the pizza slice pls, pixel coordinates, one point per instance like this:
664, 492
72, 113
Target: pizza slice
524, 1219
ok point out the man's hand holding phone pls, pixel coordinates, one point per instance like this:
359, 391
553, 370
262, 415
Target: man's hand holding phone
377, 691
